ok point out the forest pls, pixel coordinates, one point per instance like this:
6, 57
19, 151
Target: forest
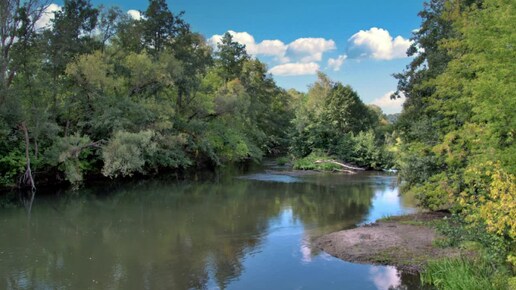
104, 94
99, 94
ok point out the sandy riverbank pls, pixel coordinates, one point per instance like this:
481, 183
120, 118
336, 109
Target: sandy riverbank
406, 242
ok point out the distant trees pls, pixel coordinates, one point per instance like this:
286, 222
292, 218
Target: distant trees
332, 118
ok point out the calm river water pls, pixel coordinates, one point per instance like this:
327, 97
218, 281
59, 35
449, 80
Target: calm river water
237, 231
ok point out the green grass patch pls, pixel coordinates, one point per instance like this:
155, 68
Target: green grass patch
405, 220
309, 162
283, 160
463, 274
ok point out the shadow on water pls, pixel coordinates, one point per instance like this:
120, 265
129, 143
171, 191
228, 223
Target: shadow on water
252, 232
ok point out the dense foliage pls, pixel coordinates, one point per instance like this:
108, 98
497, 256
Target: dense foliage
98, 92
332, 121
458, 123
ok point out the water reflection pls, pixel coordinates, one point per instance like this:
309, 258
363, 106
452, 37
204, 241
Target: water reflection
385, 278
250, 233
271, 177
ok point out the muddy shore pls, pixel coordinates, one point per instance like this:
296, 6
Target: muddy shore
406, 242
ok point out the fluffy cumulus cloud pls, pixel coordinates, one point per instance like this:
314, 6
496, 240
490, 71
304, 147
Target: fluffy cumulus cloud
377, 43
47, 16
310, 49
389, 105
134, 14
299, 57
267, 47
336, 63
295, 69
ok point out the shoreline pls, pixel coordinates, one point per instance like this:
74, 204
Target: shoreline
406, 242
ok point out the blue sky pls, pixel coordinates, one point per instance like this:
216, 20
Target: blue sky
360, 43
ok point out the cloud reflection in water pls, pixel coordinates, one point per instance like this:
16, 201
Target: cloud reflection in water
385, 277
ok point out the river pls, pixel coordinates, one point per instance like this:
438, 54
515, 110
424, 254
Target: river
229, 231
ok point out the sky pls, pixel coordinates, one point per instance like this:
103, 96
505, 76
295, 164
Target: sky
358, 43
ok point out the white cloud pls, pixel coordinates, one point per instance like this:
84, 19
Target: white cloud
295, 69
214, 40
310, 49
47, 16
388, 105
271, 47
377, 43
267, 47
305, 50
336, 63
135, 14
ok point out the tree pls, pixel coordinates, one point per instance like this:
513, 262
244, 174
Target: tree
109, 22
344, 112
194, 54
160, 26
17, 28
120, 86
231, 57
332, 119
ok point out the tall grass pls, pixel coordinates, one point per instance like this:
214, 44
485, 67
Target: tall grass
463, 274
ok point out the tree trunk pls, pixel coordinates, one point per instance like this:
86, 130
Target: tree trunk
27, 179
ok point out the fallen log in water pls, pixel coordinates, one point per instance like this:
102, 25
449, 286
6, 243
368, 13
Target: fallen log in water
348, 167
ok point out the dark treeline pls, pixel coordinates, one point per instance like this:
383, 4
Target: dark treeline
98, 92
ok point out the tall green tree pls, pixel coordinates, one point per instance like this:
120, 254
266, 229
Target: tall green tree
160, 26
231, 56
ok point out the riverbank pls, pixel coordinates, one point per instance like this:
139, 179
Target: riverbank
407, 242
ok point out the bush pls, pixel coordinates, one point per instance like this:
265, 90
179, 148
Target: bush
127, 153
489, 197
367, 152
12, 165
417, 163
458, 233
309, 162
283, 160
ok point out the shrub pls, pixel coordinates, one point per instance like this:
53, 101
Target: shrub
283, 160
127, 153
310, 162
489, 197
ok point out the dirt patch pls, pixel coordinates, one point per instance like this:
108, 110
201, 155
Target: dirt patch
406, 242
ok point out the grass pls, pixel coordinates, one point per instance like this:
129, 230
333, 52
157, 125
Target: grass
405, 220
414, 223
283, 160
309, 163
463, 274
483, 266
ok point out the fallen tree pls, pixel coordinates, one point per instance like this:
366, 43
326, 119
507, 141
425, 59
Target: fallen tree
346, 166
